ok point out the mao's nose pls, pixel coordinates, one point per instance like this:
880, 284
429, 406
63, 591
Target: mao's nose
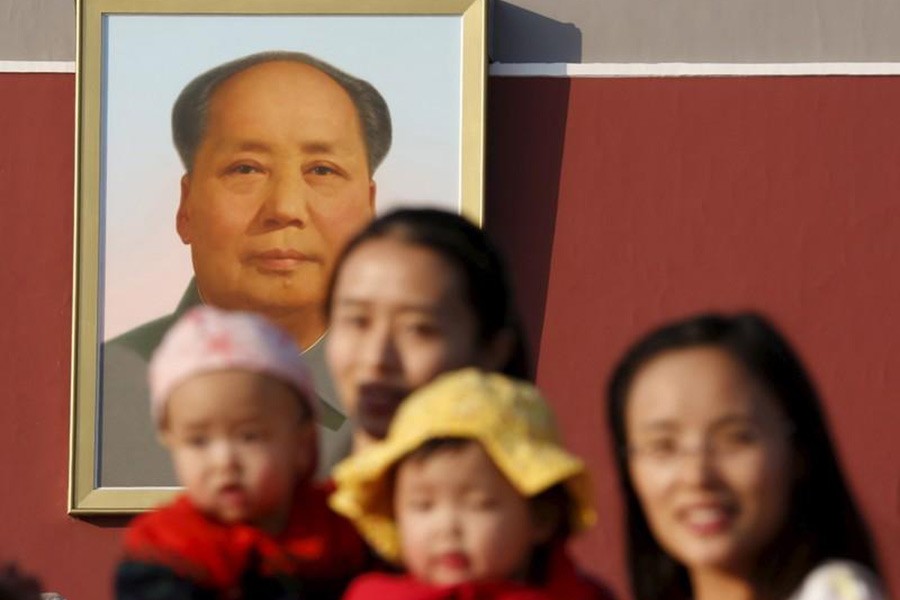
286, 200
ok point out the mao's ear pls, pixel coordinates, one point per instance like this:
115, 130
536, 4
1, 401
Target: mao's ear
372, 189
183, 216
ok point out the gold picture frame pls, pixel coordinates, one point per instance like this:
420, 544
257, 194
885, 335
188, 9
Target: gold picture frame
133, 56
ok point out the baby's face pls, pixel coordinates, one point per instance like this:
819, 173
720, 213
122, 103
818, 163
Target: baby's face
239, 441
459, 518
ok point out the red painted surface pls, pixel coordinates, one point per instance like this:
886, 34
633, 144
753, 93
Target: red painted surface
679, 195
621, 202
71, 556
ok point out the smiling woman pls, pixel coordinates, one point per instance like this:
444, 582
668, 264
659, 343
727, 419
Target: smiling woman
732, 486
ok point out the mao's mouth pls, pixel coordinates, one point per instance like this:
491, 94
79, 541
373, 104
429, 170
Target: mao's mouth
279, 259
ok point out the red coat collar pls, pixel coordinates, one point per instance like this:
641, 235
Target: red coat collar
316, 544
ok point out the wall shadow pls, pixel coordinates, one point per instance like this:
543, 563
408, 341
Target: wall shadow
518, 35
526, 126
106, 521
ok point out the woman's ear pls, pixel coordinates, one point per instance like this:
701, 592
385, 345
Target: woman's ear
497, 352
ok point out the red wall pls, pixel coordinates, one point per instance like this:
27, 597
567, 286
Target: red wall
621, 202
37, 127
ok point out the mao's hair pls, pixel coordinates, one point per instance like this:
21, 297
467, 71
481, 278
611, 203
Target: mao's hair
822, 521
189, 114
468, 250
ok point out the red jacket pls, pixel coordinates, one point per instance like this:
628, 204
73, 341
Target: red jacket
564, 582
316, 545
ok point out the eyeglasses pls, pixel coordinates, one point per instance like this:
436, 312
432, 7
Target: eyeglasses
667, 448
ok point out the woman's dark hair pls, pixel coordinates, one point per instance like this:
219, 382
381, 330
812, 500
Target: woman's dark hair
822, 521
468, 250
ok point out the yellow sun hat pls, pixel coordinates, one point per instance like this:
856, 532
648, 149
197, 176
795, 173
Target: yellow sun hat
509, 418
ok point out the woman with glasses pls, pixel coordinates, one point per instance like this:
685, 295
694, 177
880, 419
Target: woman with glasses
732, 486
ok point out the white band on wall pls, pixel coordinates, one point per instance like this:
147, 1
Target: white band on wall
576, 70
31, 66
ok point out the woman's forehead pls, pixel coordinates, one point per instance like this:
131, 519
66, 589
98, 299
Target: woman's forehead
701, 385
393, 270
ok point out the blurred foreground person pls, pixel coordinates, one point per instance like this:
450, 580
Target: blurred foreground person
472, 493
732, 485
235, 406
418, 292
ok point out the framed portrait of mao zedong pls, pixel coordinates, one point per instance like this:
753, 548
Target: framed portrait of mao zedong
220, 145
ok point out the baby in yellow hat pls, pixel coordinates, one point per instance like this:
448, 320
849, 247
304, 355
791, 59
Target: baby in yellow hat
472, 493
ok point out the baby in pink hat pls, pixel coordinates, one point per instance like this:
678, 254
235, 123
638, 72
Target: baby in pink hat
235, 406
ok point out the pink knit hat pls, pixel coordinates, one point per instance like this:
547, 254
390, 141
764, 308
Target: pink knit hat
210, 339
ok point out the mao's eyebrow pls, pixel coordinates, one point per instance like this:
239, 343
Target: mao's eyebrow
317, 147
245, 146
311, 147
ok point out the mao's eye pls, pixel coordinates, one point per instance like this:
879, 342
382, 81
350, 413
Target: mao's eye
322, 170
242, 168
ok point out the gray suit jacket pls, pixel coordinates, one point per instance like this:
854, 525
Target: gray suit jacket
129, 453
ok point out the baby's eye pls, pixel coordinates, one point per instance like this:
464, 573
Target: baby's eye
483, 502
196, 441
251, 435
424, 329
418, 504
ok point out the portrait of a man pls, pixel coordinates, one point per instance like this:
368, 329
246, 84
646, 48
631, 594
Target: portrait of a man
279, 152
226, 155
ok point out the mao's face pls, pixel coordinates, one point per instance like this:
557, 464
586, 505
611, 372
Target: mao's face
280, 182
